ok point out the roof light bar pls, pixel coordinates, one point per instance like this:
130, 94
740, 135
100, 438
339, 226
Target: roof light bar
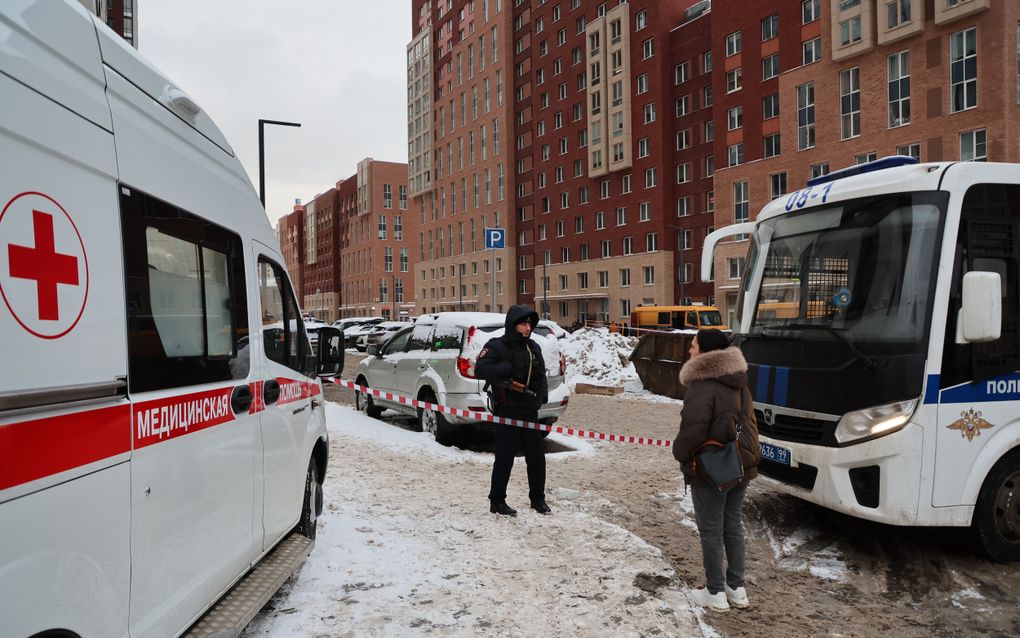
868, 167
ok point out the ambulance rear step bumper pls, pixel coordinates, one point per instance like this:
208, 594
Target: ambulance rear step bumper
232, 613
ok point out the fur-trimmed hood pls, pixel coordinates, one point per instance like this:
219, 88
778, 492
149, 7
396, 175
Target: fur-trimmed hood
726, 366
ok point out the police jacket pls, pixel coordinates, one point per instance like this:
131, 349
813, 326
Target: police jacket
715, 382
511, 357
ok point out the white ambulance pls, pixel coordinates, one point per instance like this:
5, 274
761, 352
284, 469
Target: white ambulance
889, 388
162, 432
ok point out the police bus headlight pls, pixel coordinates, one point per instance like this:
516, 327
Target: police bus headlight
876, 421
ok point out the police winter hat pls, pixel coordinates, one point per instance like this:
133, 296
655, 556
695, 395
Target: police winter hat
711, 339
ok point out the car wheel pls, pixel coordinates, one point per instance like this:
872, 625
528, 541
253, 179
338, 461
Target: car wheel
364, 403
997, 514
312, 502
433, 421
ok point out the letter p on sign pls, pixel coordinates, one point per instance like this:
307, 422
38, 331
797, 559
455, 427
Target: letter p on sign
495, 238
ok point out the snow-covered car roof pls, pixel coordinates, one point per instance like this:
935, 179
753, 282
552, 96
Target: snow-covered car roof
464, 319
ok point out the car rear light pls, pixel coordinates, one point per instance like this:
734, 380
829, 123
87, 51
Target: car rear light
565, 401
563, 365
465, 367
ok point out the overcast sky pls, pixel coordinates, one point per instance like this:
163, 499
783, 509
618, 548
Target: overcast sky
336, 66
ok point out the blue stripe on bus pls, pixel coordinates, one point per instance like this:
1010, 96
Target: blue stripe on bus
782, 382
763, 382
931, 390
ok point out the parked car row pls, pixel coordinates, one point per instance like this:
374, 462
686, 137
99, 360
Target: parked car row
434, 360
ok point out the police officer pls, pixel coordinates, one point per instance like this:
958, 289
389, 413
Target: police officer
513, 367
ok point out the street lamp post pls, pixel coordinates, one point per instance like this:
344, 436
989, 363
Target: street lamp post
262, 155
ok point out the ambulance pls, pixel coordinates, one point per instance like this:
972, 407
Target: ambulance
162, 430
888, 388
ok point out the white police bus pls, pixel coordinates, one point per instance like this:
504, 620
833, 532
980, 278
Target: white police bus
889, 389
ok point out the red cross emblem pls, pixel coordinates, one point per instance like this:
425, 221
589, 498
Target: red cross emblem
43, 266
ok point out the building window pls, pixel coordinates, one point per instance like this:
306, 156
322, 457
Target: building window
735, 154
579, 224
806, 116
706, 96
810, 10
777, 185
741, 212
736, 267
582, 281
683, 206
387, 196
628, 245
640, 20
648, 273
734, 80
648, 48
850, 31
972, 146
910, 150
683, 240
709, 131
772, 147
899, 88
382, 227
642, 83
621, 216
683, 105
812, 51
604, 189
625, 184
388, 259
643, 147
864, 158
963, 72
649, 113
706, 62
680, 73
734, 118
683, 139
770, 106
733, 44
770, 67
644, 211
898, 12
603, 278
651, 242
769, 27
850, 102
564, 282
651, 177
625, 276
817, 170
709, 165
607, 248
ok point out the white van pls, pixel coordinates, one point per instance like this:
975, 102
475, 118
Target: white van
155, 444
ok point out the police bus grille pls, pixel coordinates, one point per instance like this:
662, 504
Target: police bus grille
797, 429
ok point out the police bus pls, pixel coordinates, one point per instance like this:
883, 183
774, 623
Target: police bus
889, 388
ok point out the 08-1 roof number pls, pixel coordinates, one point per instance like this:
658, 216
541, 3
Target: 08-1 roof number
799, 199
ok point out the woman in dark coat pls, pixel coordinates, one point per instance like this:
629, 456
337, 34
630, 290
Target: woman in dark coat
716, 380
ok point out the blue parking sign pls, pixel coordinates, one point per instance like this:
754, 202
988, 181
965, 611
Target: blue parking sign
495, 238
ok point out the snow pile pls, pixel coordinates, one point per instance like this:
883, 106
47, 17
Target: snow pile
600, 357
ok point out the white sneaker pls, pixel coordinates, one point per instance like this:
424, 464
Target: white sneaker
715, 602
737, 597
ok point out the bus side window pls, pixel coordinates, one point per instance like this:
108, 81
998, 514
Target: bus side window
989, 226
692, 319
664, 319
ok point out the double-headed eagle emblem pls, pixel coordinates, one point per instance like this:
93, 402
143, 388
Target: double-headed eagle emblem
970, 424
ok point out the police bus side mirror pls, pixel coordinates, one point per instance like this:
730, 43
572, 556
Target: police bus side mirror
980, 317
331, 352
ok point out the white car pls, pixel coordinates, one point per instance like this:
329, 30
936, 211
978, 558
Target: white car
434, 360
379, 334
352, 334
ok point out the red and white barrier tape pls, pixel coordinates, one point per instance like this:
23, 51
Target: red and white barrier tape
485, 416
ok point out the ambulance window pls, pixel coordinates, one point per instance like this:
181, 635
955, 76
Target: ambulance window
283, 331
185, 291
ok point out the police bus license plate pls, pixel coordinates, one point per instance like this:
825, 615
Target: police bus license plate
775, 453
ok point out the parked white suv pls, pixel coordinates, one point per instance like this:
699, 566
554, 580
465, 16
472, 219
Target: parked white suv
434, 360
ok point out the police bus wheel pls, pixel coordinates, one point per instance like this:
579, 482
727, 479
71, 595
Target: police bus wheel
364, 402
997, 514
312, 502
433, 421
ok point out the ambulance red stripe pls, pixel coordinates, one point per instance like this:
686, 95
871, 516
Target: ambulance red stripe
32, 450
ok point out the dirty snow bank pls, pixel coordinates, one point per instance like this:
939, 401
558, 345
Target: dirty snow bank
600, 357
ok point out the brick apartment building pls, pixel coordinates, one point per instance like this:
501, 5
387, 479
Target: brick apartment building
859, 80
119, 15
635, 128
348, 250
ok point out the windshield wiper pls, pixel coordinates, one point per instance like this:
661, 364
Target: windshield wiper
870, 361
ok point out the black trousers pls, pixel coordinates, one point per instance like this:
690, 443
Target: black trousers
508, 440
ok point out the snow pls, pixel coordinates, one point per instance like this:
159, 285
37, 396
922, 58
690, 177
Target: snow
402, 551
600, 357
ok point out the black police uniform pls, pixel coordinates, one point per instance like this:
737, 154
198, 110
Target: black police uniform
514, 358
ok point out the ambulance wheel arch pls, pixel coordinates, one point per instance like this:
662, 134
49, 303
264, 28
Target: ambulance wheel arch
996, 521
